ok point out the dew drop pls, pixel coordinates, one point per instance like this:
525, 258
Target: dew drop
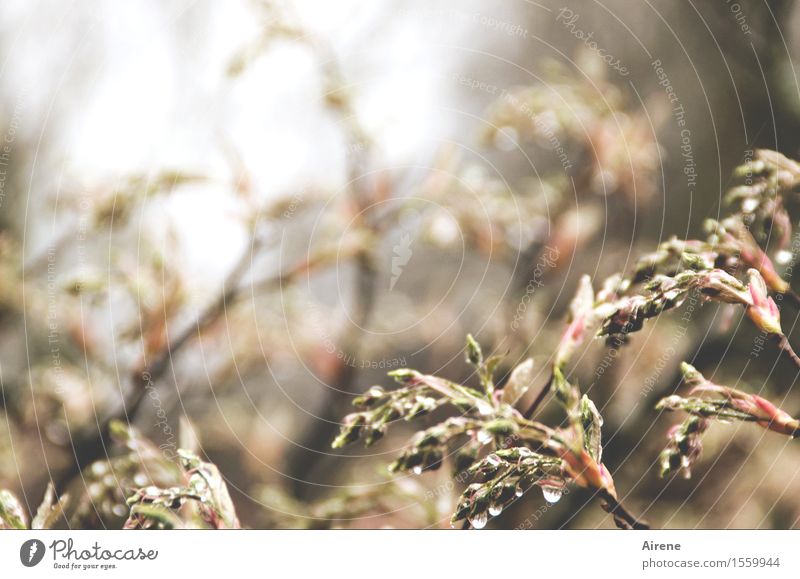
484, 408
479, 521
495, 509
417, 470
749, 205
484, 437
519, 492
551, 494
494, 460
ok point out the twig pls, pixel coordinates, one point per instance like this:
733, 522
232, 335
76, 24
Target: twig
539, 398
623, 518
793, 297
305, 456
785, 347
90, 445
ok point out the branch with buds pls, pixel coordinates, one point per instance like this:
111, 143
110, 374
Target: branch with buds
707, 402
205, 490
525, 453
490, 440
619, 316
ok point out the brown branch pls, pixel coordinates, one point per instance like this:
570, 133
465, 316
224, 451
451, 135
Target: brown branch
785, 347
90, 445
306, 456
623, 518
539, 398
793, 297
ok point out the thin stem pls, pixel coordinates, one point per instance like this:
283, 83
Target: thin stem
622, 516
91, 445
539, 398
793, 297
785, 347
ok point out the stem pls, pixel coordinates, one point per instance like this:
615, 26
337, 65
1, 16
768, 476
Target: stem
91, 445
785, 347
793, 297
539, 398
307, 456
622, 517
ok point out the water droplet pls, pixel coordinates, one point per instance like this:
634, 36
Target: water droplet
479, 521
495, 509
417, 470
551, 494
519, 492
375, 391
749, 205
484, 408
494, 460
484, 437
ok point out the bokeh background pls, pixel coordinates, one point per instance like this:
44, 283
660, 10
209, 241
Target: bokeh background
266, 206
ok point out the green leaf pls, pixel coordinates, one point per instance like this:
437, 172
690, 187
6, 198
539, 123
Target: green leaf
474, 353
50, 510
519, 382
12, 515
592, 428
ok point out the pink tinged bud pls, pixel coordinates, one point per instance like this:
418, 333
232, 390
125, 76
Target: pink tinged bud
608, 482
763, 310
586, 472
754, 256
776, 419
673, 430
581, 310
765, 405
773, 308
771, 277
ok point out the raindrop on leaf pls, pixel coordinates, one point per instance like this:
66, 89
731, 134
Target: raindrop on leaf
479, 520
551, 494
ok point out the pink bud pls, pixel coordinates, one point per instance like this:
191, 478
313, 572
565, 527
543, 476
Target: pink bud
765, 405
